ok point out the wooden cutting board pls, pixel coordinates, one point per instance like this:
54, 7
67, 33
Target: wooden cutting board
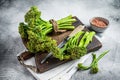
52, 62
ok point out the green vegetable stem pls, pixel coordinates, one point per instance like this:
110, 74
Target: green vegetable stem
94, 65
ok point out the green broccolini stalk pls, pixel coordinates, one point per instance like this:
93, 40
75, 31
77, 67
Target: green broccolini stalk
94, 65
89, 38
35, 31
66, 23
94, 68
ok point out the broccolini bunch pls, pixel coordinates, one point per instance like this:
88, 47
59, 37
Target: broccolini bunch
75, 48
35, 31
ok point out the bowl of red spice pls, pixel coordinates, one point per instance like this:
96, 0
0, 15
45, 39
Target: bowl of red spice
99, 24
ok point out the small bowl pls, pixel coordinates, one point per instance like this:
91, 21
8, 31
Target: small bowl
99, 24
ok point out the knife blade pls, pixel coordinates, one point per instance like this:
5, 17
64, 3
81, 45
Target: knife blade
75, 31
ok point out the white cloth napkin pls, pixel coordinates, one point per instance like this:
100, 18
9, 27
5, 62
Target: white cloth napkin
62, 72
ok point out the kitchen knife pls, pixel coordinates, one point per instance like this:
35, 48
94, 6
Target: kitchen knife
76, 30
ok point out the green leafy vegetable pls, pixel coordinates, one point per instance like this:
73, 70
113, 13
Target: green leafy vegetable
35, 31
94, 65
73, 48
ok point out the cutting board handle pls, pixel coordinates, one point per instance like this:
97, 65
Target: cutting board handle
24, 56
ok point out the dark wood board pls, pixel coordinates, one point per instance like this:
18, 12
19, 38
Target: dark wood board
53, 62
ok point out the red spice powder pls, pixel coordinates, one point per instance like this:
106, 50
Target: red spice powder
99, 23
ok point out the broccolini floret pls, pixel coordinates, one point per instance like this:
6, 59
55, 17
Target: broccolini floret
32, 14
